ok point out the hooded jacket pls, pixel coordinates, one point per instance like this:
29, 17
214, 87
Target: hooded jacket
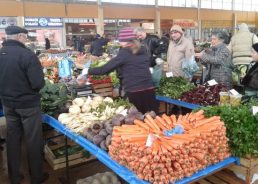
21, 76
241, 45
177, 52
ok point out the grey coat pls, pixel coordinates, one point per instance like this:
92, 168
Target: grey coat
220, 64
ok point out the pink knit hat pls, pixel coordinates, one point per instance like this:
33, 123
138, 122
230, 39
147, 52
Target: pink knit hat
126, 34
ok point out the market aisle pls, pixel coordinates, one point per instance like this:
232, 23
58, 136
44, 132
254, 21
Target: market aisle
76, 173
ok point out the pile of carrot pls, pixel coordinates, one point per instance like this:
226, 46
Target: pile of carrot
167, 159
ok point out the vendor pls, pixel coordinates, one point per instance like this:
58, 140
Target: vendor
250, 81
218, 60
133, 64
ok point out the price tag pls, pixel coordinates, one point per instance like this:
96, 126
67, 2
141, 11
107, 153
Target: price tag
124, 112
255, 110
169, 74
85, 71
233, 92
212, 82
151, 138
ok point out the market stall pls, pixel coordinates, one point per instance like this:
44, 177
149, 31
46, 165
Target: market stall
120, 170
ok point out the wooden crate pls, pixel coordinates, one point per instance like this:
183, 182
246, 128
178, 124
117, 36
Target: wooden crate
248, 167
103, 89
222, 177
58, 163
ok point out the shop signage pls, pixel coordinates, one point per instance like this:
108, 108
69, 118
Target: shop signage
43, 22
7, 21
186, 23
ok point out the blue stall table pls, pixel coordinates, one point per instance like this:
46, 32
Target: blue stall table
120, 170
177, 102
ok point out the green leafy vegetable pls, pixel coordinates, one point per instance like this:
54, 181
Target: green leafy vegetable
242, 127
174, 87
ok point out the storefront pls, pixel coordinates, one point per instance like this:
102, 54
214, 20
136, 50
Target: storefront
43, 27
4, 22
79, 30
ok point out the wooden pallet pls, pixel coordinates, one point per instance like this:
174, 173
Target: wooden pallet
248, 167
103, 89
222, 177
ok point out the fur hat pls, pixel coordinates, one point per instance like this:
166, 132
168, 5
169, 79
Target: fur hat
127, 34
176, 28
11, 30
255, 47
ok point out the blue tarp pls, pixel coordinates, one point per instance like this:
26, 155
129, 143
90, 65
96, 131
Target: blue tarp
177, 102
120, 170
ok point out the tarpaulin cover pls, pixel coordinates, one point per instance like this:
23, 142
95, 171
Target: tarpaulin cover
120, 170
177, 102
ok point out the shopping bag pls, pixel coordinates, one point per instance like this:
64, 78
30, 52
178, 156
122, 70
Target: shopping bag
189, 67
65, 68
156, 75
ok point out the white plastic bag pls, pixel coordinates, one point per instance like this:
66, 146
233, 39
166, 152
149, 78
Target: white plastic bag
189, 67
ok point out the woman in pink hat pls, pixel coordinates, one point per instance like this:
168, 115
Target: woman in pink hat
133, 64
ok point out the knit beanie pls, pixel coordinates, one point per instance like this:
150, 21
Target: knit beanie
126, 34
176, 28
255, 47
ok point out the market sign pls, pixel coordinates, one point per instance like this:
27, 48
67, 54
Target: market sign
43, 22
185, 23
7, 21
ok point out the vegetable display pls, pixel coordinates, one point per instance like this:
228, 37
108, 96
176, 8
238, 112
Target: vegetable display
157, 158
242, 127
204, 95
174, 87
54, 98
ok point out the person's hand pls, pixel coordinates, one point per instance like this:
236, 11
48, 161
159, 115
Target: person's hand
198, 55
81, 80
159, 61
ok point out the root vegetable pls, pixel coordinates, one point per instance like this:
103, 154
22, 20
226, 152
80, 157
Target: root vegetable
96, 127
97, 139
103, 132
103, 145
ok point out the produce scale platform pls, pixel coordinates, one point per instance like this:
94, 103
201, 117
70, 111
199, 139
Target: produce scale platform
120, 170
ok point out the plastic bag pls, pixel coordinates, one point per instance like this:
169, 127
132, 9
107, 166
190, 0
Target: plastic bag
65, 68
189, 67
156, 75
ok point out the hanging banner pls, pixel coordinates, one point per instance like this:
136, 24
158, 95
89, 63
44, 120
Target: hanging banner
7, 21
185, 23
43, 22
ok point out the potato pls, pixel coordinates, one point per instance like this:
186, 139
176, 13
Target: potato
103, 132
109, 128
90, 135
132, 110
96, 127
103, 145
108, 140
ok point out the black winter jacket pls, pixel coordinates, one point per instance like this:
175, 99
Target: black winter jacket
96, 48
133, 68
154, 47
21, 76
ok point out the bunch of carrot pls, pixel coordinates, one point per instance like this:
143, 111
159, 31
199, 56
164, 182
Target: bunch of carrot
167, 159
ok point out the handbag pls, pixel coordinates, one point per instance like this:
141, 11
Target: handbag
251, 78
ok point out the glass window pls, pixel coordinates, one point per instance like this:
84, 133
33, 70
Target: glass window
179, 3
227, 4
165, 2
216, 4
206, 4
255, 5
191, 3
238, 5
247, 5
143, 2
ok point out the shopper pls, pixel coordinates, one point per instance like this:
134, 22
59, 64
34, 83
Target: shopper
21, 78
218, 59
133, 64
47, 44
153, 45
241, 45
180, 49
250, 81
97, 46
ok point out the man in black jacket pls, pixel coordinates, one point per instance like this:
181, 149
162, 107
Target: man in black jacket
21, 78
96, 48
153, 45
